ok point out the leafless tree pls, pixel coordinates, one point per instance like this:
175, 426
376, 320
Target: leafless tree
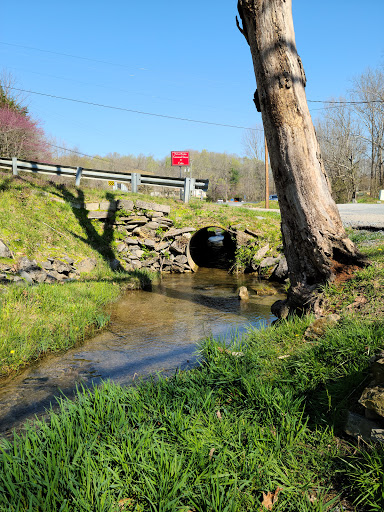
343, 148
368, 92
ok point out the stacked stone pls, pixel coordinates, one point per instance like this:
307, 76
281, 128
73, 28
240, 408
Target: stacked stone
370, 427
151, 241
50, 271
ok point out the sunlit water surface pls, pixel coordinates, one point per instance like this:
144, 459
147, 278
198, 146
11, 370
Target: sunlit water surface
150, 331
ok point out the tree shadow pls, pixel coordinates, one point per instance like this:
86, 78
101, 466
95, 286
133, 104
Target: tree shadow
101, 243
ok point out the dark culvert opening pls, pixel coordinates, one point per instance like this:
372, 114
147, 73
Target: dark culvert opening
212, 247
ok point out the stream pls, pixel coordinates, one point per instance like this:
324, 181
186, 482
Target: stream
150, 331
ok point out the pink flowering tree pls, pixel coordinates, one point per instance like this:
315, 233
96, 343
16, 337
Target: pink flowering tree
20, 135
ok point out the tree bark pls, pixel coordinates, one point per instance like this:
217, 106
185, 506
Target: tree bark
315, 243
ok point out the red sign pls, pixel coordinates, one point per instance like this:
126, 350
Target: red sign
180, 158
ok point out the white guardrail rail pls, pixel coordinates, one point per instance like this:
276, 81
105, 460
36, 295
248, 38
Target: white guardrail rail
188, 185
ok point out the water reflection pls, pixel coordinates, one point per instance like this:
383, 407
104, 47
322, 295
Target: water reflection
149, 332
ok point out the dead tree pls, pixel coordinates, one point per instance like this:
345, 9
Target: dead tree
315, 243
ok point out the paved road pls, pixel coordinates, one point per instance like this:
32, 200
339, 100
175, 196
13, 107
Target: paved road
357, 215
362, 215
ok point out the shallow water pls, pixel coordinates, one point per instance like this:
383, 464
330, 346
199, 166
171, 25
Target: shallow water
150, 331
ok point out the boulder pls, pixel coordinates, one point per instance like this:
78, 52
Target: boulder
131, 241
373, 399
47, 265
121, 247
162, 246
181, 258
156, 215
319, 326
91, 207
26, 276
5, 252
125, 204
261, 252
151, 244
360, 427
87, 265
61, 267
40, 276
268, 262
138, 253
152, 225
377, 435
177, 247
280, 273
28, 265
243, 293
172, 233
57, 275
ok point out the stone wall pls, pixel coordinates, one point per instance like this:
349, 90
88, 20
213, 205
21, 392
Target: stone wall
148, 238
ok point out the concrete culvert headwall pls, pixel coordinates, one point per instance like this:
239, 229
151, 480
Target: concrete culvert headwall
211, 247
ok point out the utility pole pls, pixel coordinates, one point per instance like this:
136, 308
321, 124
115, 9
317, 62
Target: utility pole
266, 175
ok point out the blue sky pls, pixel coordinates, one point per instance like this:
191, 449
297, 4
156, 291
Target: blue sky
173, 58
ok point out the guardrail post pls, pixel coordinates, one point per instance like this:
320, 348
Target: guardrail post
189, 187
14, 166
79, 172
135, 181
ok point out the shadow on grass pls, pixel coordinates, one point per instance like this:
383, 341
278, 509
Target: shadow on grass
101, 243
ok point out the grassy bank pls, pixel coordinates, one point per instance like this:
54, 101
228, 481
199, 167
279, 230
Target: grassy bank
54, 317
256, 427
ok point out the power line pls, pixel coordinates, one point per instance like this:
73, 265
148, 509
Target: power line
79, 153
66, 55
345, 102
124, 66
134, 111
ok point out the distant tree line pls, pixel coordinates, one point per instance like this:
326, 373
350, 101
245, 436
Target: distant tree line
230, 176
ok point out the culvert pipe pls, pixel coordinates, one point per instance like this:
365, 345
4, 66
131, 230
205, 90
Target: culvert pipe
211, 247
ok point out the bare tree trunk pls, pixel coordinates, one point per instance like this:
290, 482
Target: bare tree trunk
315, 243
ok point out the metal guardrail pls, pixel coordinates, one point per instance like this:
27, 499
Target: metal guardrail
188, 185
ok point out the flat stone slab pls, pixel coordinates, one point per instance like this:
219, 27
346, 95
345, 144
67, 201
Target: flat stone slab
108, 205
91, 207
98, 215
177, 232
125, 204
144, 205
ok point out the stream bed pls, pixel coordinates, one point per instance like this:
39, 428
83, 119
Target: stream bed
150, 331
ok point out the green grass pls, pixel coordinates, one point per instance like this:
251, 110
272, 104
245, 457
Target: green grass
212, 439
54, 317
